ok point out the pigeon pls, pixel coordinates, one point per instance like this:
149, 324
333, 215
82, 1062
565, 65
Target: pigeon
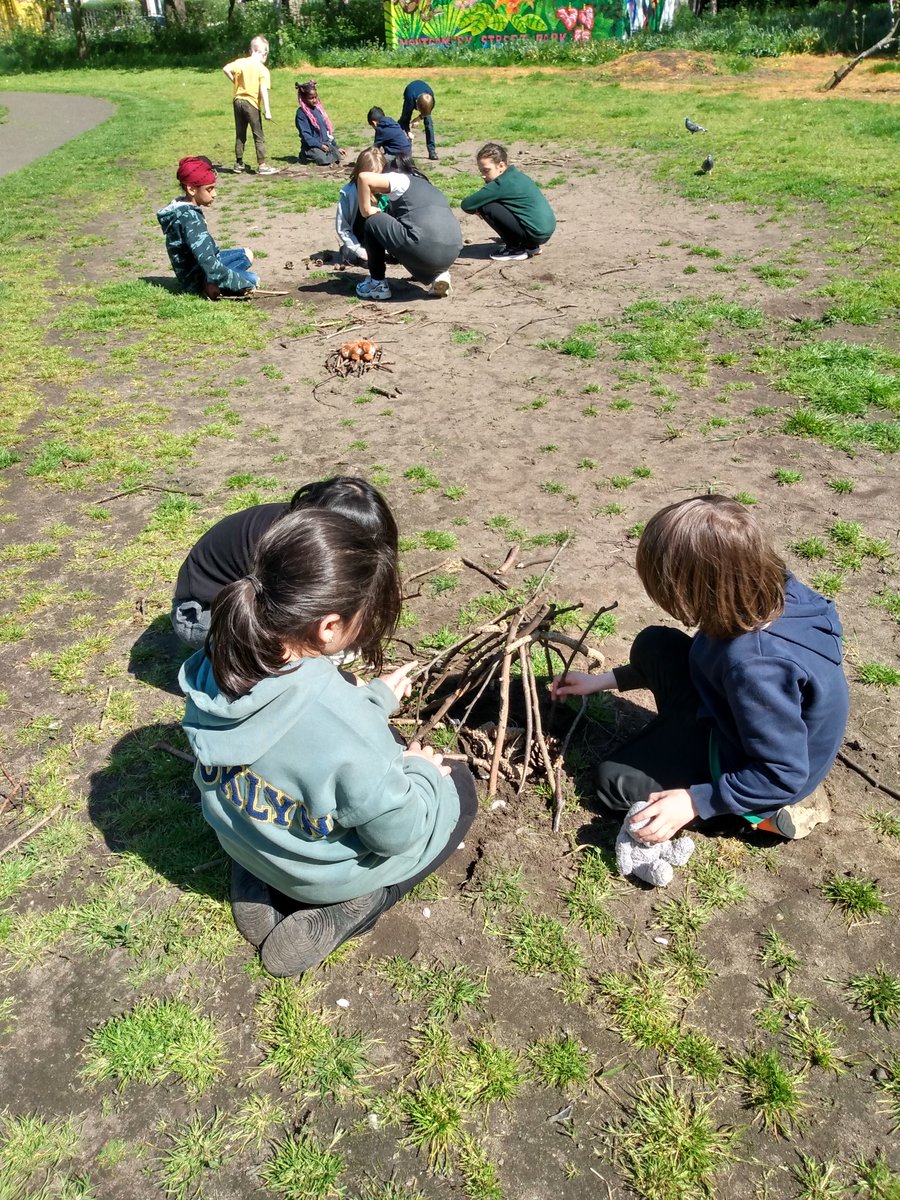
692, 126
707, 165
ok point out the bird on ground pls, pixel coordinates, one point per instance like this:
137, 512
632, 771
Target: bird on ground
692, 126
707, 165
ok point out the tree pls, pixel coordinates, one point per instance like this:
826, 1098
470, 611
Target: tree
892, 36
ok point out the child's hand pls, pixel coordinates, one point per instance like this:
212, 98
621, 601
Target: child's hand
398, 681
666, 813
417, 750
212, 291
575, 683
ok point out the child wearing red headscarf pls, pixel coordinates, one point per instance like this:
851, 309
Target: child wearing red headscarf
199, 265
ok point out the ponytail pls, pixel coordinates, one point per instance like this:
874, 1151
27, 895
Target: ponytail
310, 563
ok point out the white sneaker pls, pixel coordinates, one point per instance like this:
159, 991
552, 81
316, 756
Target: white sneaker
440, 285
373, 289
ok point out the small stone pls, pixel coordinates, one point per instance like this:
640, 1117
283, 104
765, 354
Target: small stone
497, 804
881, 1075
373, 1121
426, 912
661, 941
461, 846
342, 1003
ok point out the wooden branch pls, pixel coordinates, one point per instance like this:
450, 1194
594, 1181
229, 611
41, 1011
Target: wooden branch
509, 561
557, 783
538, 725
170, 749
503, 719
529, 722
30, 832
519, 329
854, 766
428, 571
580, 643
888, 40
491, 575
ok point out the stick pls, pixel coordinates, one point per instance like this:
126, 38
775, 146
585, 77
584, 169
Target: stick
429, 570
580, 643
503, 719
25, 836
854, 766
542, 580
563, 639
170, 749
538, 726
9, 796
533, 321
102, 721
491, 575
509, 561
558, 792
887, 40
529, 723
147, 487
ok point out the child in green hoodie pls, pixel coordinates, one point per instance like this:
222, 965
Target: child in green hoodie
319, 806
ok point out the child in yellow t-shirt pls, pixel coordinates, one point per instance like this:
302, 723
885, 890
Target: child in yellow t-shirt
252, 81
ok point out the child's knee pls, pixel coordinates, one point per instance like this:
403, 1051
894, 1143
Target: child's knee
250, 256
656, 641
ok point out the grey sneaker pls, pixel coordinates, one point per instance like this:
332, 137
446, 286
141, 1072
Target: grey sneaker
798, 820
251, 905
240, 168
304, 938
267, 170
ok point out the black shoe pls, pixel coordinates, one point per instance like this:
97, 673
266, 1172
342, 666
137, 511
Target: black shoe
303, 939
433, 157
510, 254
252, 906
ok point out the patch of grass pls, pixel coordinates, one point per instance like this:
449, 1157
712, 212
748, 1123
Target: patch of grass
155, 1041
878, 994
437, 539
303, 1168
885, 824
670, 335
446, 991
670, 1147
875, 1179
561, 1062
829, 583
775, 952
858, 899
586, 900
843, 487
814, 1045
538, 944
810, 548
422, 477
434, 1119
32, 1148
255, 1118
785, 476
816, 1180
889, 1084
455, 492
881, 674
196, 1146
303, 1048
771, 1089
465, 337
501, 890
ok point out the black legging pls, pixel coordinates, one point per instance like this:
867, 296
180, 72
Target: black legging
508, 226
673, 750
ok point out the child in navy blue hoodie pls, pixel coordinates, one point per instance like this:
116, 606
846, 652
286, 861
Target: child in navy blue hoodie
752, 708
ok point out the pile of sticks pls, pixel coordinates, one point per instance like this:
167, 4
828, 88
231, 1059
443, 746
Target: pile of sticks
463, 672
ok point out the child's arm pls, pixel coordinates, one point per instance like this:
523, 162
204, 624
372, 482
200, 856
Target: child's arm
370, 184
264, 99
227, 71
580, 683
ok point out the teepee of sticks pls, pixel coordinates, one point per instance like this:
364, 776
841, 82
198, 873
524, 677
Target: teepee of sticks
458, 676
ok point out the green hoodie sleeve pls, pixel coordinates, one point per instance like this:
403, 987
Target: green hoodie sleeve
490, 191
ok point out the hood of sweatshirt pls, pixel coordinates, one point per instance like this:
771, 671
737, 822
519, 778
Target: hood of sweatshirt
809, 621
223, 732
170, 214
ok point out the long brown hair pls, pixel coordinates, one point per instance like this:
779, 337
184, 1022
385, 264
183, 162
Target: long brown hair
706, 562
371, 159
310, 563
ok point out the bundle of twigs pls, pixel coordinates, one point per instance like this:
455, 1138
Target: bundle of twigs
462, 673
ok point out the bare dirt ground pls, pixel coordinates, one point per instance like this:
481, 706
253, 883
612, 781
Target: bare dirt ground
551, 442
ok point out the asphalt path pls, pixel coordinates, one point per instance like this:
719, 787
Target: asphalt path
38, 122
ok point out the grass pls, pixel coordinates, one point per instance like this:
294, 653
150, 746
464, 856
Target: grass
195, 1147
858, 899
881, 674
770, 1089
560, 1062
303, 1168
878, 994
670, 1146
155, 1041
446, 991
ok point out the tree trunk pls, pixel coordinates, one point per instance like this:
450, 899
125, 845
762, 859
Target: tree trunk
888, 40
178, 10
78, 27
291, 10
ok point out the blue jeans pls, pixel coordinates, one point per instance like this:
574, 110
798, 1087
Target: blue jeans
237, 260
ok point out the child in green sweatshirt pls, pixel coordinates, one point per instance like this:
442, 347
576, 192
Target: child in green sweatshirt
328, 818
512, 204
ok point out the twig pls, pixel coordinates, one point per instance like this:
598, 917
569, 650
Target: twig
538, 725
503, 719
428, 571
563, 639
170, 749
213, 862
508, 562
558, 792
9, 796
147, 487
854, 766
580, 643
102, 721
543, 578
491, 575
25, 836
520, 328
529, 723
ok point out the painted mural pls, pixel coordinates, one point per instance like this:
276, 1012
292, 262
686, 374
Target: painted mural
491, 23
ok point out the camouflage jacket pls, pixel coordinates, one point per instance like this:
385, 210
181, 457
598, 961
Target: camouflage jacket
192, 250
